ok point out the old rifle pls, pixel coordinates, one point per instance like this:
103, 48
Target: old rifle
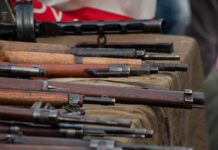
58, 48
54, 117
67, 59
167, 98
71, 131
75, 70
58, 143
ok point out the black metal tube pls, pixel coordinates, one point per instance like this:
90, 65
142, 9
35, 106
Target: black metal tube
121, 53
99, 27
148, 47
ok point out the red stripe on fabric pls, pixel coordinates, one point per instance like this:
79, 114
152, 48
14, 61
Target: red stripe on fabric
45, 16
87, 13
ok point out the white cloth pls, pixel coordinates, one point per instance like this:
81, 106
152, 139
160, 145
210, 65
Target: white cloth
137, 9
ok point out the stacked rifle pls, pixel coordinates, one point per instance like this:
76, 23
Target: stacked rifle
41, 114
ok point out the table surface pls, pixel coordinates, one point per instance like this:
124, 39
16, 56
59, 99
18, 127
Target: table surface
171, 126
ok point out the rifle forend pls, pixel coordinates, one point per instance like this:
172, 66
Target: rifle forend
28, 98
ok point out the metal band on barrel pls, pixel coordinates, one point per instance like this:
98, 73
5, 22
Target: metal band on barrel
78, 60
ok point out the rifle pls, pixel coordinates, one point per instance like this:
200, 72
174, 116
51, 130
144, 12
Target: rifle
57, 48
26, 29
43, 147
92, 143
83, 70
28, 98
67, 59
54, 117
58, 99
70, 131
180, 99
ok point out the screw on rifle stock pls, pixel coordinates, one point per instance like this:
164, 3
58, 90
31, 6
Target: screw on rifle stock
102, 40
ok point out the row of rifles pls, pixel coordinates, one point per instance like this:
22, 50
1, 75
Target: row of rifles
41, 114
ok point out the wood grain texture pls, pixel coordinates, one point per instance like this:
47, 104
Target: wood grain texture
55, 58
35, 57
28, 46
27, 98
101, 60
122, 95
15, 113
53, 70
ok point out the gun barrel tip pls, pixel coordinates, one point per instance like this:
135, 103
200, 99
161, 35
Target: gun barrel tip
177, 56
150, 133
113, 101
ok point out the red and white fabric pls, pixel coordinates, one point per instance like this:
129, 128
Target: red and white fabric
73, 10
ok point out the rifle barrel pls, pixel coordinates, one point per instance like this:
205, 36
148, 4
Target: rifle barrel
121, 53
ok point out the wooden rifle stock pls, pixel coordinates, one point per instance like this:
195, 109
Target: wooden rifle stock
181, 99
28, 98
54, 58
33, 47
